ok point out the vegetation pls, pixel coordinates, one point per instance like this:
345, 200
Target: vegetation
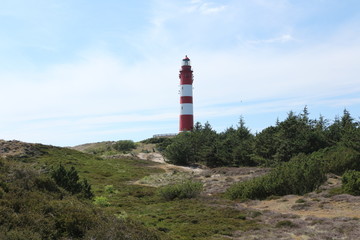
118, 206
186, 189
298, 176
107, 147
34, 206
340, 158
58, 193
285, 223
69, 180
101, 201
295, 135
301, 149
351, 182
124, 145
194, 219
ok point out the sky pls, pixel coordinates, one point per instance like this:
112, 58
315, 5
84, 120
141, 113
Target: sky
80, 71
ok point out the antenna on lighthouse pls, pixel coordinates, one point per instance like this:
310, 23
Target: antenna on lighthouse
186, 96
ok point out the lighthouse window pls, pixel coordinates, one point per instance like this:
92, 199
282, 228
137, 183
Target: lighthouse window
186, 63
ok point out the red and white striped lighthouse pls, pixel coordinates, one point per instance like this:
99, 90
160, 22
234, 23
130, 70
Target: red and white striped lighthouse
186, 98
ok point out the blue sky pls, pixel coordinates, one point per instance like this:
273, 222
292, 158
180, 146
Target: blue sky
76, 71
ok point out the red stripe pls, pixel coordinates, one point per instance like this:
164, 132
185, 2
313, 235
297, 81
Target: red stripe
186, 122
186, 81
186, 76
186, 99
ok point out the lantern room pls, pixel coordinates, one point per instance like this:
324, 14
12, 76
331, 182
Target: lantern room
185, 61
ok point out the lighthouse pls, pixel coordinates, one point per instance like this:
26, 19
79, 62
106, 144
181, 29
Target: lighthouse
186, 96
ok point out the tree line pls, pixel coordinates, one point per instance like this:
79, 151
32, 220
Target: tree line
300, 150
237, 146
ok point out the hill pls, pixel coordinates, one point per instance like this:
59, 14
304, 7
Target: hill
127, 200
34, 206
93, 147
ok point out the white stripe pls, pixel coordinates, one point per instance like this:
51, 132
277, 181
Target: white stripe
186, 109
186, 90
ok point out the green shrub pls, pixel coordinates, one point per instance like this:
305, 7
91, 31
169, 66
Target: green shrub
109, 189
180, 151
300, 200
301, 175
46, 183
161, 146
336, 191
154, 140
101, 201
120, 229
285, 223
23, 234
186, 189
124, 145
351, 182
86, 190
338, 159
70, 181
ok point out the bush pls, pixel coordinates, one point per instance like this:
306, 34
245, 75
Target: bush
120, 229
186, 189
301, 175
285, 223
338, 159
46, 183
109, 189
69, 180
351, 182
101, 201
180, 151
23, 234
252, 189
161, 146
154, 140
124, 145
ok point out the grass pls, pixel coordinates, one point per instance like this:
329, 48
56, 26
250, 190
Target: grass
99, 171
336, 191
163, 179
32, 206
186, 189
101, 201
194, 219
112, 183
108, 148
300, 200
285, 223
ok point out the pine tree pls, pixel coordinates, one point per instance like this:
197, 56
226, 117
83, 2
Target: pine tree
69, 180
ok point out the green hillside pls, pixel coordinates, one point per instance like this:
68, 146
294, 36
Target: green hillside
33, 206
137, 210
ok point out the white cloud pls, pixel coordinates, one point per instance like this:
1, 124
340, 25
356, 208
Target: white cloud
281, 39
205, 7
208, 8
272, 5
326, 70
96, 84
99, 94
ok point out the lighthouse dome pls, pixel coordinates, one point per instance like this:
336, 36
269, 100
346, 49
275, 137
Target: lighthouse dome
186, 61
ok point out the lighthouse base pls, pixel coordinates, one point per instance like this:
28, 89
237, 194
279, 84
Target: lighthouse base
186, 123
